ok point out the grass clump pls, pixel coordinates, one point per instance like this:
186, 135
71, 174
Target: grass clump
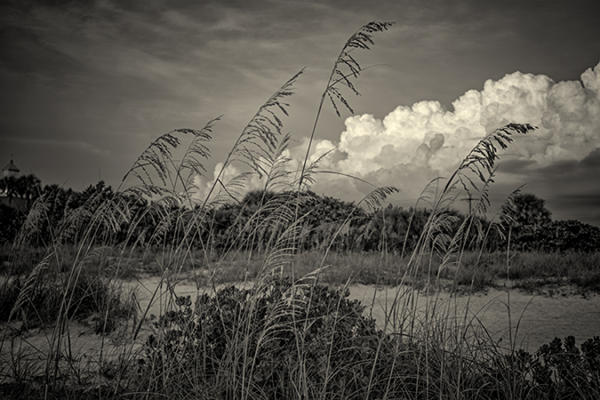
44, 302
530, 270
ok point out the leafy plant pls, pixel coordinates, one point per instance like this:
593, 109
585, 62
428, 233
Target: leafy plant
202, 345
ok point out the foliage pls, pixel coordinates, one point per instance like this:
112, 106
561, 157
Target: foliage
264, 336
11, 221
530, 212
558, 370
570, 235
268, 334
528, 219
388, 229
26, 187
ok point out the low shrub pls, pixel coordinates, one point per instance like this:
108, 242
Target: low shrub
281, 339
259, 342
558, 370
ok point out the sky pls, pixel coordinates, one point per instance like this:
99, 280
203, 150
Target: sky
86, 85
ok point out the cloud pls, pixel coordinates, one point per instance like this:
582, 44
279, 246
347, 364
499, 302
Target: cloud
291, 158
413, 144
237, 181
116, 74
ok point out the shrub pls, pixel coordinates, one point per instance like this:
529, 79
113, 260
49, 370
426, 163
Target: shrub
243, 343
558, 370
269, 338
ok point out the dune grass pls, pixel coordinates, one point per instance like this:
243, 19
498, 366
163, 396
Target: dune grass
530, 270
283, 335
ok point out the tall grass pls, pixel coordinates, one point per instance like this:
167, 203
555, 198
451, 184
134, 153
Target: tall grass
283, 335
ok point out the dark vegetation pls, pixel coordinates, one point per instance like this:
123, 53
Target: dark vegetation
346, 355
241, 343
533, 271
549, 252
391, 229
283, 335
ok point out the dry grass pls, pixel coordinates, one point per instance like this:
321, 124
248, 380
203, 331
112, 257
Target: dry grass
530, 271
284, 335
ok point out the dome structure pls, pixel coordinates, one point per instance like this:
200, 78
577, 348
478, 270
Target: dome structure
10, 169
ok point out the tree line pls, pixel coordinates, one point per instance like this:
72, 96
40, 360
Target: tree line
324, 222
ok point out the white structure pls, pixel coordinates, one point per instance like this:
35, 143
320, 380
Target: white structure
10, 169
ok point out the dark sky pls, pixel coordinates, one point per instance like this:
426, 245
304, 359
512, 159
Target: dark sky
86, 85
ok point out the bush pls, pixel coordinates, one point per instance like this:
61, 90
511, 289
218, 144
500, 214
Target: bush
570, 235
243, 343
558, 370
265, 337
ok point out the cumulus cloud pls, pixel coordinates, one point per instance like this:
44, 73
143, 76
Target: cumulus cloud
413, 144
234, 180
323, 153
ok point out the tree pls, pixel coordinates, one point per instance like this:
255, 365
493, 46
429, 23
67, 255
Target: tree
26, 187
531, 212
528, 217
29, 188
